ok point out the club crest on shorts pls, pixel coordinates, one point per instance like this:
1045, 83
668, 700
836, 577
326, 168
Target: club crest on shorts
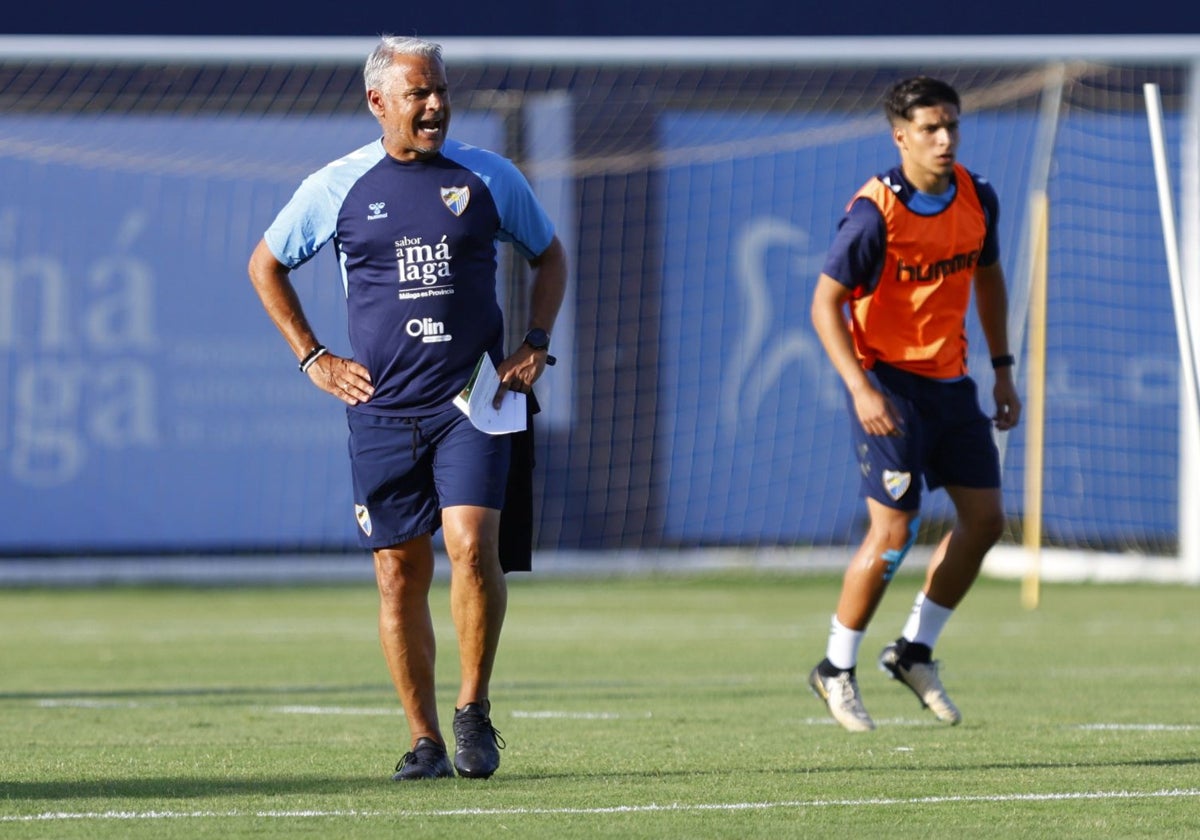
896, 483
364, 518
456, 199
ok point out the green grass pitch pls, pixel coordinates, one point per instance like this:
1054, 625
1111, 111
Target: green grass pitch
664, 706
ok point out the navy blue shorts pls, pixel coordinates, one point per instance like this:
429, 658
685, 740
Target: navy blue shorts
946, 441
407, 469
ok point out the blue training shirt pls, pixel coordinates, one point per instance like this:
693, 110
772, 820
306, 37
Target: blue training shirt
416, 243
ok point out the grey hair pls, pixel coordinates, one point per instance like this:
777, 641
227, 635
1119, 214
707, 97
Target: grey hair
379, 62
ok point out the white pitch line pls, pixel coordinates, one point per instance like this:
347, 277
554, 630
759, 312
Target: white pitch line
85, 703
1139, 727
549, 714
332, 710
580, 715
533, 715
51, 816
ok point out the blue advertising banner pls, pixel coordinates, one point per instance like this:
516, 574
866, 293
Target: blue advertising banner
147, 403
752, 418
146, 400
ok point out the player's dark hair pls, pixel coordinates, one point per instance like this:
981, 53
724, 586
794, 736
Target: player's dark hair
917, 92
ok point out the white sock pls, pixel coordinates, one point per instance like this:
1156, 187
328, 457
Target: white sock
842, 648
926, 621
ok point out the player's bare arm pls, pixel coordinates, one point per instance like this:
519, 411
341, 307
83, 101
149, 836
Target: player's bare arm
525, 365
345, 379
873, 409
991, 303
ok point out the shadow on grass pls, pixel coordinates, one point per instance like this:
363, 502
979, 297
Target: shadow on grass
179, 787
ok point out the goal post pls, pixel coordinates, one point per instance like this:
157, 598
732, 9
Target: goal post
1189, 181
1184, 325
1035, 399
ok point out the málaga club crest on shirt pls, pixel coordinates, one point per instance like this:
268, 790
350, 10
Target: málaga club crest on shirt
456, 199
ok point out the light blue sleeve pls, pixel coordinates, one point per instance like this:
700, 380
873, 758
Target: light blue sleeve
523, 220
309, 219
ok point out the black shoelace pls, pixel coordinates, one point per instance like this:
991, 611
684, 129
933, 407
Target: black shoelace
411, 757
479, 725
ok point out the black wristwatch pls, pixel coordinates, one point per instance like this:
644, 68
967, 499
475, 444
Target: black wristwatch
538, 339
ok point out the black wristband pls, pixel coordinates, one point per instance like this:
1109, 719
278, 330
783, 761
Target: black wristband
1006, 360
313, 354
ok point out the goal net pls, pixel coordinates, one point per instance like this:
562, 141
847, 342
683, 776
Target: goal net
149, 406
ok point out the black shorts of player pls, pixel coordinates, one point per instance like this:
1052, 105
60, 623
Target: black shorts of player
407, 469
945, 440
